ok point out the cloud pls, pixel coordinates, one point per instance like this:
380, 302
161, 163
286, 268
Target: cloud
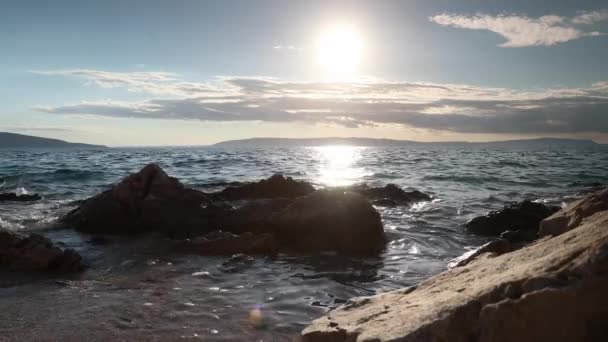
522, 31
590, 17
366, 102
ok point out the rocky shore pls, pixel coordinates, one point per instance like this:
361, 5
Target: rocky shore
542, 277
553, 289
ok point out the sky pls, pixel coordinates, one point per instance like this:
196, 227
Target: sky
152, 73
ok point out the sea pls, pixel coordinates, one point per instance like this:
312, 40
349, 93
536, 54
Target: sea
136, 288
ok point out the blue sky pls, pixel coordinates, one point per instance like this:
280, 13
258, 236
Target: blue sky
198, 72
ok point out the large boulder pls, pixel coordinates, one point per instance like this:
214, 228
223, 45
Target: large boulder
145, 201
389, 195
35, 252
552, 290
571, 216
276, 186
523, 216
330, 220
13, 197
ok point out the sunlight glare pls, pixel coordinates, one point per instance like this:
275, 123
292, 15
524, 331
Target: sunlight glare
340, 50
338, 165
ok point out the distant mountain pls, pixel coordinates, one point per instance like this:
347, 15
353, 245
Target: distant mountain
13, 140
289, 142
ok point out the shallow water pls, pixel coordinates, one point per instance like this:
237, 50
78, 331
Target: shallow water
140, 287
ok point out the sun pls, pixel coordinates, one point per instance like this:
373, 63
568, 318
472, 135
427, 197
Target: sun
339, 50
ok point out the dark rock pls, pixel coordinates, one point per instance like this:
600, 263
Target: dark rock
525, 216
237, 263
389, 195
11, 196
276, 186
145, 201
35, 253
519, 236
330, 220
296, 215
224, 243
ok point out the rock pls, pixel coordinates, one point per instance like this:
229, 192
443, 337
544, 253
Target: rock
330, 220
389, 195
492, 249
145, 201
11, 196
519, 236
35, 253
276, 186
571, 216
224, 243
524, 216
552, 290
296, 215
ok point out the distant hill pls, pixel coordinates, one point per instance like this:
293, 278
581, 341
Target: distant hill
289, 142
14, 140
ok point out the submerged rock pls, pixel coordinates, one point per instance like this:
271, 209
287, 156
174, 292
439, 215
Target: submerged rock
389, 195
552, 290
35, 253
571, 216
276, 186
330, 220
148, 200
224, 243
524, 216
11, 196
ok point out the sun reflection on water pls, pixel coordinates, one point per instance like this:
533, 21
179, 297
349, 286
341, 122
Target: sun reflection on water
338, 165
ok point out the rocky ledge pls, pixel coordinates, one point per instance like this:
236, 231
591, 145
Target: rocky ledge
275, 213
551, 290
35, 252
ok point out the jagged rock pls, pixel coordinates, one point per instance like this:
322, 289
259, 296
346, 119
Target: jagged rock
330, 220
11, 196
490, 249
571, 216
276, 186
552, 290
389, 195
145, 201
35, 253
298, 217
525, 216
224, 243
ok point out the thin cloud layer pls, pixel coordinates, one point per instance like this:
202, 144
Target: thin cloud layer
367, 102
522, 31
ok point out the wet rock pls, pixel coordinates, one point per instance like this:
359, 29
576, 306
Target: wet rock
35, 253
148, 200
552, 290
224, 243
490, 249
571, 216
237, 263
330, 220
13, 197
276, 186
296, 215
519, 236
389, 195
525, 216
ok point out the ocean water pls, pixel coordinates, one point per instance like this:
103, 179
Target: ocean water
139, 287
